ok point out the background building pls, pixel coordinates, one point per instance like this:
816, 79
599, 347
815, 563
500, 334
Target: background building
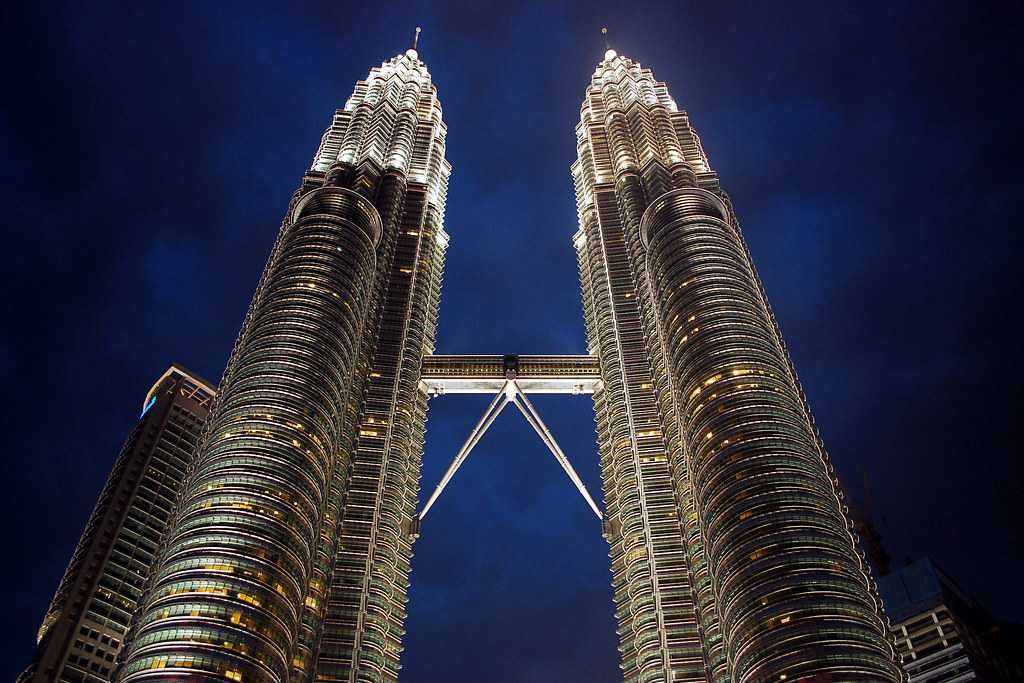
943, 635
84, 629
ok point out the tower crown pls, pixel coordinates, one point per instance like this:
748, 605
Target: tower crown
392, 121
628, 123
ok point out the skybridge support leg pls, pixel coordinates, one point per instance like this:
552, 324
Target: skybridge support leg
509, 393
489, 416
533, 417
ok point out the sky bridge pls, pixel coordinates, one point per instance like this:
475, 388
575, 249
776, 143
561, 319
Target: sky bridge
509, 378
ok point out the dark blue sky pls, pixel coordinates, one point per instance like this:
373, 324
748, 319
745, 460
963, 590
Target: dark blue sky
873, 152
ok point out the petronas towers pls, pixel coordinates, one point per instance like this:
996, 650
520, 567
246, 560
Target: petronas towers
287, 554
732, 557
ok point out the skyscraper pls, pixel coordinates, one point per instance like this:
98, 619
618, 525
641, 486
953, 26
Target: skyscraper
943, 634
85, 626
289, 550
733, 558
287, 554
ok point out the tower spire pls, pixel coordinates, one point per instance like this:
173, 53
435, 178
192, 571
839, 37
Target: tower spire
609, 54
411, 52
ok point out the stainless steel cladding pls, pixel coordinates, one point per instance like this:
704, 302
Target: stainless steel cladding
734, 559
237, 564
288, 553
287, 557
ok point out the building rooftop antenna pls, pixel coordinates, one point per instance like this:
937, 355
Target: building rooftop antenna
609, 54
411, 52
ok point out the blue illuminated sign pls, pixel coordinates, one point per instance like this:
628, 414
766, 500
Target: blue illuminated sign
149, 404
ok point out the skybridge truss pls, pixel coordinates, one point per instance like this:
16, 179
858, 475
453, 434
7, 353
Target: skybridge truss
509, 378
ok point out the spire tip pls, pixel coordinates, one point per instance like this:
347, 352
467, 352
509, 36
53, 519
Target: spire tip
609, 54
411, 52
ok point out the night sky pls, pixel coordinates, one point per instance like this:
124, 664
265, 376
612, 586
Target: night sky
873, 153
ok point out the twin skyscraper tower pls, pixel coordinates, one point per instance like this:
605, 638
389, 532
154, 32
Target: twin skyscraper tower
288, 551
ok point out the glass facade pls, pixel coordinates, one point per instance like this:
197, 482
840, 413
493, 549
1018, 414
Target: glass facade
287, 557
275, 544
84, 628
732, 555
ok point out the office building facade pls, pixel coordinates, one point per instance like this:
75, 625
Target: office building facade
84, 628
288, 555
943, 635
733, 558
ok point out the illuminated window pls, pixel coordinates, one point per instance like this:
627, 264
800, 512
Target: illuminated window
251, 599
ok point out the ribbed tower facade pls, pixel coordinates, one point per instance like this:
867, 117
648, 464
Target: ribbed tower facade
288, 554
733, 558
